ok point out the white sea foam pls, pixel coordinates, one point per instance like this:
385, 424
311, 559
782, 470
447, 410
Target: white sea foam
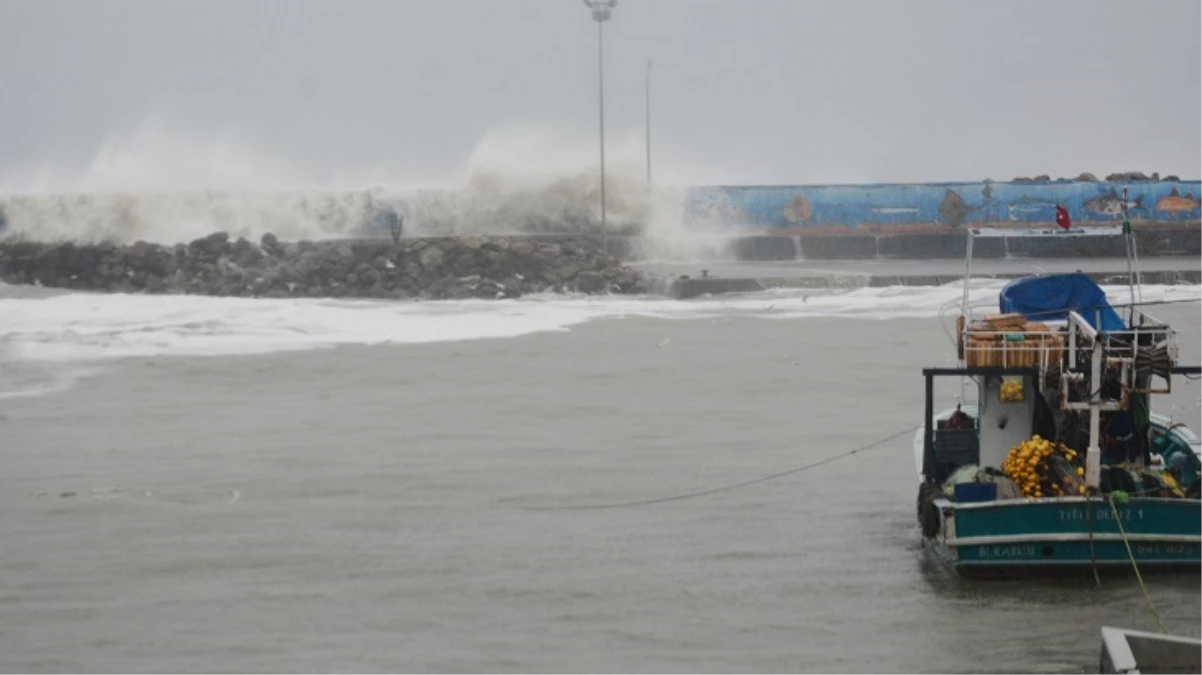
44, 382
166, 185
78, 327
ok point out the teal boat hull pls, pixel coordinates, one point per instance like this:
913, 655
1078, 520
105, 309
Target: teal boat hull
1019, 537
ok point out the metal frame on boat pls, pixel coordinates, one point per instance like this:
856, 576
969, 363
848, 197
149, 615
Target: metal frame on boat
1063, 367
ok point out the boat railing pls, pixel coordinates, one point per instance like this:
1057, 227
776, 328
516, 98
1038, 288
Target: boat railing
1009, 341
1040, 348
1147, 347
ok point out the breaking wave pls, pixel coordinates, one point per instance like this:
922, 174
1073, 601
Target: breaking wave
167, 187
79, 327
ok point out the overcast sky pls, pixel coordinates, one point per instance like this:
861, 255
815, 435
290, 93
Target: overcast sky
744, 91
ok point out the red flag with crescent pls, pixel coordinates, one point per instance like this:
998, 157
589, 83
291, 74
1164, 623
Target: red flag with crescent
1062, 218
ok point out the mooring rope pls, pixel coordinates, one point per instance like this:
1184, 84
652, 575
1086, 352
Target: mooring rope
1093, 559
724, 488
1119, 521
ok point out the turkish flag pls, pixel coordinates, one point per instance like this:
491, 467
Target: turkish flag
1062, 218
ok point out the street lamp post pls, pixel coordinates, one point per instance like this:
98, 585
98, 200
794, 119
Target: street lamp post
602, 10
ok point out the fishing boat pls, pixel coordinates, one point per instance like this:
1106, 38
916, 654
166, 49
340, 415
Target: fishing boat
1060, 465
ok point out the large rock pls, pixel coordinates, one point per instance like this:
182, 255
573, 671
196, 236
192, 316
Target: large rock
431, 258
1127, 177
434, 268
589, 282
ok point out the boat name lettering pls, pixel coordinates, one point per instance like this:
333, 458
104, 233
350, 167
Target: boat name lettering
1101, 514
1163, 549
1008, 551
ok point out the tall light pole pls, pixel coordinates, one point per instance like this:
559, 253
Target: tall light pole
602, 10
648, 127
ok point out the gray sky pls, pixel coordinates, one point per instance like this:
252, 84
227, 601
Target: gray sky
743, 90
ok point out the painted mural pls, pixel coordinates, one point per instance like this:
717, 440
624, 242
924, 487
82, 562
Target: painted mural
937, 206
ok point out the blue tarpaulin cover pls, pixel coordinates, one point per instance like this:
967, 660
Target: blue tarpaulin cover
1050, 298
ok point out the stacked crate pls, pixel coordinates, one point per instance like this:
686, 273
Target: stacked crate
1011, 341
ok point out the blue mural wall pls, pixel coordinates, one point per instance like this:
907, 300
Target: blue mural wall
903, 207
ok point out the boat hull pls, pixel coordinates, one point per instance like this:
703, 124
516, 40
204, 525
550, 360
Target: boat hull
1057, 536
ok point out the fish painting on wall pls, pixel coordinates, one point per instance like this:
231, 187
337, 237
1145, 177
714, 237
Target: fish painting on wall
1030, 209
954, 210
1175, 204
1111, 204
798, 210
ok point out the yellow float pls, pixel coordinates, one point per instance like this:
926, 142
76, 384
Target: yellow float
1030, 465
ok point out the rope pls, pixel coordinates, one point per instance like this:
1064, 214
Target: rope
1093, 560
1119, 521
704, 493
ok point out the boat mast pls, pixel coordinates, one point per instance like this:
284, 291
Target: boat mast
1093, 455
1077, 325
964, 306
1127, 242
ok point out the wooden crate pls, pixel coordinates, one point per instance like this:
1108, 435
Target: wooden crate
985, 343
1006, 321
980, 352
1031, 353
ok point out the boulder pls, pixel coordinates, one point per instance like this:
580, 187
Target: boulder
269, 243
431, 258
590, 282
475, 267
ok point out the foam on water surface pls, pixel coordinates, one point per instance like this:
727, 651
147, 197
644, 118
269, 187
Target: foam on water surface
41, 379
81, 327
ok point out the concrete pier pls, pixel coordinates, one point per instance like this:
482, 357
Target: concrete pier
690, 280
1152, 241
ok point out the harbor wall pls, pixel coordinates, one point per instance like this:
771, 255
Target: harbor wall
900, 208
1151, 241
687, 287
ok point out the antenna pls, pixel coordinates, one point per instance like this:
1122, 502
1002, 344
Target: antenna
1129, 241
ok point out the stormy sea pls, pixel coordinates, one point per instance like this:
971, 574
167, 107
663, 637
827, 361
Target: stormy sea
539, 485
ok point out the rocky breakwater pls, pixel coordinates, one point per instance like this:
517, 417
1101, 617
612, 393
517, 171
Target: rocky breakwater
426, 268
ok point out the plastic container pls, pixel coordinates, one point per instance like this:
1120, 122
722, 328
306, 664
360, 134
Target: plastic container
976, 492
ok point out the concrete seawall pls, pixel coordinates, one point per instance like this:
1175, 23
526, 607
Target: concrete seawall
1151, 241
685, 280
683, 289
